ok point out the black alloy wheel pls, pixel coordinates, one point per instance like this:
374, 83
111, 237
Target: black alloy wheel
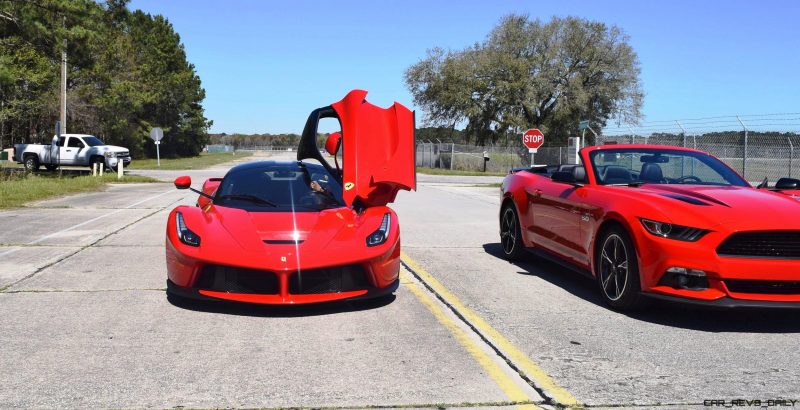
617, 270
510, 234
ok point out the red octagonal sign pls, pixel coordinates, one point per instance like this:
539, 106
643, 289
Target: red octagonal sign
533, 138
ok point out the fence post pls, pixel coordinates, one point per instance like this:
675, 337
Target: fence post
744, 155
452, 154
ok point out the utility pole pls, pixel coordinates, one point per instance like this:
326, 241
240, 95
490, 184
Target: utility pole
64, 83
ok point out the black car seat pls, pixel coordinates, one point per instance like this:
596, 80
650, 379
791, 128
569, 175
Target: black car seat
579, 173
615, 174
652, 172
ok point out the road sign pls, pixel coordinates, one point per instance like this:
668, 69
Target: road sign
533, 139
156, 134
583, 125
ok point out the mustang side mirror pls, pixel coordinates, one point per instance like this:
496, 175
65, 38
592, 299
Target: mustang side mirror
787, 183
183, 182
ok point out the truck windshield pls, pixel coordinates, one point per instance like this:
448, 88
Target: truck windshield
93, 141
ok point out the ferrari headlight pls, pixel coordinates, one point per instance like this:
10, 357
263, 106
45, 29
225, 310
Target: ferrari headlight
668, 230
184, 234
378, 237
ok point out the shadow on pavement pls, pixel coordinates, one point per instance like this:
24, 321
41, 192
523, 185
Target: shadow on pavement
752, 320
255, 310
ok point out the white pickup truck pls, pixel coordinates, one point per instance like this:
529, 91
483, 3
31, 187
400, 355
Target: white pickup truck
71, 149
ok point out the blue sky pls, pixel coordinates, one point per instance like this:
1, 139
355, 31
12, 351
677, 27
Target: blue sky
266, 64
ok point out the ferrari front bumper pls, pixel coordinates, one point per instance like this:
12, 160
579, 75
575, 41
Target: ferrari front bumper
199, 294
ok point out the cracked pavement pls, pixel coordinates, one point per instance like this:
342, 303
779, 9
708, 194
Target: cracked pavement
86, 323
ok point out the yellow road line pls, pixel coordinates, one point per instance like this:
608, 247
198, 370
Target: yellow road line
513, 391
527, 366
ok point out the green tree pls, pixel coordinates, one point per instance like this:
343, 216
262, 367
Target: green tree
530, 74
127, 73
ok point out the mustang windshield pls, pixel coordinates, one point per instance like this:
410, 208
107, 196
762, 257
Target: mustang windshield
280, 187
632, 166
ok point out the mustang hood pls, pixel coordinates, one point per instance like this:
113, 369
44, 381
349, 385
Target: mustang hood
723, 204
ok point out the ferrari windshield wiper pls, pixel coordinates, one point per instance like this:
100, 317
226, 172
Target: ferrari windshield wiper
250, 198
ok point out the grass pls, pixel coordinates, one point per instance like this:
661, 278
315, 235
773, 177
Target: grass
440, 171
205, 160
17, 189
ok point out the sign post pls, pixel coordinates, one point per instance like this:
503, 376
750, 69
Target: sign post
533, 139
583, 125
157, 134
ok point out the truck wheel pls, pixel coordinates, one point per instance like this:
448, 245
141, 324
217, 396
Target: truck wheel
99, 161
31, 163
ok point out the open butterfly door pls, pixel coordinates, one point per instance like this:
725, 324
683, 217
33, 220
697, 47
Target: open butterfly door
378, 149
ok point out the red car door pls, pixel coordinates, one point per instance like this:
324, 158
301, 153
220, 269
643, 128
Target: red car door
556, 219
378, 148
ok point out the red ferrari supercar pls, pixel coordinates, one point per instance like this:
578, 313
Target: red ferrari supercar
660, 222
301, 231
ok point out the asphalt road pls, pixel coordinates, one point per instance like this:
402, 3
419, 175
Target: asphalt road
86, 323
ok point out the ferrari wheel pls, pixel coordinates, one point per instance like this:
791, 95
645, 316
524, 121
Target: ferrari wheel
617, 270
510, 234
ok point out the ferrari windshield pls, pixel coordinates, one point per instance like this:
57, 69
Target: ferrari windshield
633, 166
279, 187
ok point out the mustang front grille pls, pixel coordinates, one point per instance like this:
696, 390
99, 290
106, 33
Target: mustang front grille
238, 280
762, 244
767, 287
328, 280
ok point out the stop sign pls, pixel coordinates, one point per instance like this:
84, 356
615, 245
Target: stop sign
533, 138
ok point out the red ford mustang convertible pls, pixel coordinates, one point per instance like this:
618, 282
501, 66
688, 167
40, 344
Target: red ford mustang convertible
301, 231
661, 222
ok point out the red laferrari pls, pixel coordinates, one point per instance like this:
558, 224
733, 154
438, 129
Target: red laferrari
301, 231
660, 222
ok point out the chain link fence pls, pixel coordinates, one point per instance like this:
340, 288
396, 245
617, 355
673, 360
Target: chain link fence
461, 157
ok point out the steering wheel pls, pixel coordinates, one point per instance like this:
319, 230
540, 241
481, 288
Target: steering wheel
309, 199
685, 178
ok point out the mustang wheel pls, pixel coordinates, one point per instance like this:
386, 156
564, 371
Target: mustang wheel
617, 270
510, 234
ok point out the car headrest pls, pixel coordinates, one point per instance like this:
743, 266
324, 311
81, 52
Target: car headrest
651, 172
566, 167
615, 174
579, 173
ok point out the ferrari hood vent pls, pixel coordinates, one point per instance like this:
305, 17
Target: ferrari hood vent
687, 199
283, 241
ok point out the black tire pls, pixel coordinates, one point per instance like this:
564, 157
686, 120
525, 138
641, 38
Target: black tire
511, 234
51, 167
99, 161
617, 270
31, 163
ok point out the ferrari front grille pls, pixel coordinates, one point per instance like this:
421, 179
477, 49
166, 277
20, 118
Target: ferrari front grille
238, 280
762, 244
328, 280
765, 287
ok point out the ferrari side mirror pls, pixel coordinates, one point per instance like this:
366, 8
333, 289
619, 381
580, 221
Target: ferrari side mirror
183, 182
787, 183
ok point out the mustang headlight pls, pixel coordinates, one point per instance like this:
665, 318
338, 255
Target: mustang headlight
184, 234
378, 237
668, 230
